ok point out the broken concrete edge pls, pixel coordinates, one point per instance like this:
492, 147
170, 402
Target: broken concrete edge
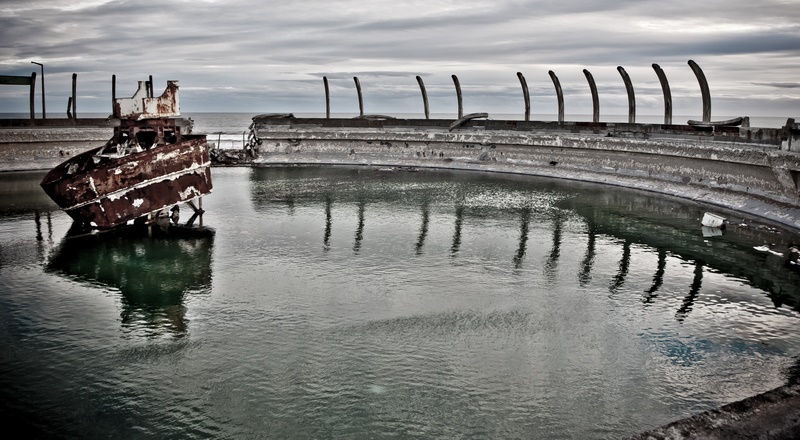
774, 415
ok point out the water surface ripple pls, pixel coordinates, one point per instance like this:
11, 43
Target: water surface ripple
360, 303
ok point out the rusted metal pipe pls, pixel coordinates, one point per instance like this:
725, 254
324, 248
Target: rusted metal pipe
327, 98
701, 78
595, 97
526, 95
458, 96
662, 77
360, 97
559, 94
631, 96
75, 96
424, 97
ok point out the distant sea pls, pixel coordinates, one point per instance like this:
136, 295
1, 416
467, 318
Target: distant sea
229, 129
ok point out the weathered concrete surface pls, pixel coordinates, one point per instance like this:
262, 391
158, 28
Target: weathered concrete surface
773, 415
42, 149
757, 179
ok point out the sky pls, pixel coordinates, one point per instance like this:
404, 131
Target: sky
271, 56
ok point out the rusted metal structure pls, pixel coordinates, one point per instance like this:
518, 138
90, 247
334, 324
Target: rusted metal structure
23, 81
147, 166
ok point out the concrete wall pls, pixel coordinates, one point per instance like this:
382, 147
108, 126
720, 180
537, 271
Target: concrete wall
755, 178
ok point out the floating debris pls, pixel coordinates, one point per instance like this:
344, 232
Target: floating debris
713, 220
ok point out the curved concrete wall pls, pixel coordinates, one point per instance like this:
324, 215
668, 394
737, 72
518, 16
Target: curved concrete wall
753, 178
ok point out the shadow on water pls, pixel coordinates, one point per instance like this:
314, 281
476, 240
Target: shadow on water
152, 270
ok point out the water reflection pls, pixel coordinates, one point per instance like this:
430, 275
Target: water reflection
658, 278
423, 230
523, 237
152, 271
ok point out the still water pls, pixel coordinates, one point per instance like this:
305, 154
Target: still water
359, 303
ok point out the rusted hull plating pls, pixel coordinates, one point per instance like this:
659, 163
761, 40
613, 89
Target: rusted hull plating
114, 192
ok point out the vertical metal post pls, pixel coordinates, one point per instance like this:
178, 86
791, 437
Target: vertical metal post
662, 77
360, 97
114, 95
631, 96
458, 96
701, 78
75, 96
595, 97
424, 97
44, 111
327, 97
150, 86
33, 91
559, 95
525, 95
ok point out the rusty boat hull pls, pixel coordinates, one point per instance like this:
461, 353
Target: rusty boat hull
107, 191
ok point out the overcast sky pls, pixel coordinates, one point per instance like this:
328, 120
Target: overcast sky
270, 56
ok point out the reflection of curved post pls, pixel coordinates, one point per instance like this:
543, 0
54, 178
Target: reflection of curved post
424, 97
585, 274
326, 240
523, 237
697, 283
701, 78
658, 278
423, 230
662, 77
551, 265
595, 97
360, 98
457, 234
360, 229
624, 264
458, 96
559, 94
631, 97
327, 97
526, 95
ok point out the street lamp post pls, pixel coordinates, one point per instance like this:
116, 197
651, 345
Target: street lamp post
44, 112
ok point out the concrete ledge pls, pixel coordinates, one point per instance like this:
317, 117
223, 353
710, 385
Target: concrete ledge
755, 179
772, 415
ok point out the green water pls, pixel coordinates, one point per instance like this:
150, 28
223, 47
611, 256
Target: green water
357, 303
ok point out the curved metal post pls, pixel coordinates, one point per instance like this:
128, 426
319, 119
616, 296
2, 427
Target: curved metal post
526, 95
360, 98
701, 78
458, 96
595, 97
327, 98
33, 92
424, 97
559, 94
662, 77
631, 96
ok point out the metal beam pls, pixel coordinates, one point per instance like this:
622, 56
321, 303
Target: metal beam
662, 77
559, 95
595, 97
360, 97
631, 96
701, 78
458, 96
526, 95
424, 97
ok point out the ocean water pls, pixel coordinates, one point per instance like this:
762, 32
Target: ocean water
368, 303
